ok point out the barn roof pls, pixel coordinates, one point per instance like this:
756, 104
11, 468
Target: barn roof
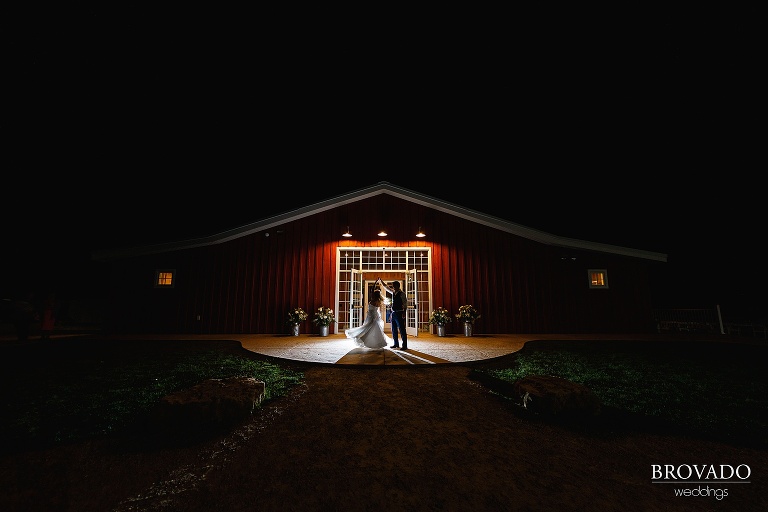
382, 187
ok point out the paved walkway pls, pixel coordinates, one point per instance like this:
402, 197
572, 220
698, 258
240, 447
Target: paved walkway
422, 349
425, 349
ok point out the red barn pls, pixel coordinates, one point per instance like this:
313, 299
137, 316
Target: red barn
245, 280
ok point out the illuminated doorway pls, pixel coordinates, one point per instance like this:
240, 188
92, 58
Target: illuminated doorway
359, 267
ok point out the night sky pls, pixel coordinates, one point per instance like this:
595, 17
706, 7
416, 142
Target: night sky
627, 128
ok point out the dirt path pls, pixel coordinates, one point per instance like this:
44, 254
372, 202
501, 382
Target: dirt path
390, 438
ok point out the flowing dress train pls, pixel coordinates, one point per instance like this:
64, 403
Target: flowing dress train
371, 333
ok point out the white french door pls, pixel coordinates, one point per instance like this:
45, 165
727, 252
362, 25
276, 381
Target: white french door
357, 271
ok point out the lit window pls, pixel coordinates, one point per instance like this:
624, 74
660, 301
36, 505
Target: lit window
164, 278
598, 278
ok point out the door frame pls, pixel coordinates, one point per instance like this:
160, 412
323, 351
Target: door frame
354, 264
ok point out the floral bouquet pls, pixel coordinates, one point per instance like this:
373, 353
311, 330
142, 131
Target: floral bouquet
467, 313
440, 316
323, 316
296, 316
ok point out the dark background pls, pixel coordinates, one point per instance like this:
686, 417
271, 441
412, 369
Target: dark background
130, 125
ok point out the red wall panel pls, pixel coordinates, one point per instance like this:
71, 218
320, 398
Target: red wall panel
248, 284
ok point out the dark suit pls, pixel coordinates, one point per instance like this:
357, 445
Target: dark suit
399, 306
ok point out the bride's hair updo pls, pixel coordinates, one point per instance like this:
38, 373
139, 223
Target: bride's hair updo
375, 296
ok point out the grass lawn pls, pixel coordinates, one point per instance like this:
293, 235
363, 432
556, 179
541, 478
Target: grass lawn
70, 390
716, 390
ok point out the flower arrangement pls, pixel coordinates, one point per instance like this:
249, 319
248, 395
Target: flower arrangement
467, 313
296, 316
323, 316
440, 316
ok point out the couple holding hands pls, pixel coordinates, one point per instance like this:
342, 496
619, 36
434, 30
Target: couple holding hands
371, 333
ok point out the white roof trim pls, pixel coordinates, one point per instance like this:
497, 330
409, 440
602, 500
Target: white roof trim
382, 187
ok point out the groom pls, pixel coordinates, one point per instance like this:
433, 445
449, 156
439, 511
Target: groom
399, 307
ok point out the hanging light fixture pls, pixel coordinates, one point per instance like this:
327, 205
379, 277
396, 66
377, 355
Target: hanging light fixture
347, 234
382, 233
420, 234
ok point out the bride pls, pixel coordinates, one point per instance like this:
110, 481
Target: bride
371, 333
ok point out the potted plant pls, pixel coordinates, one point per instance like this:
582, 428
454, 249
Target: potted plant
467, 314
440, 317
295, 317
323, 318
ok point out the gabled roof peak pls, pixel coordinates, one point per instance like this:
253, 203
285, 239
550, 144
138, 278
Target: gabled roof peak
382, 187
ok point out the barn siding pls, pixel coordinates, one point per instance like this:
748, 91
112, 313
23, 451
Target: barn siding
248, 284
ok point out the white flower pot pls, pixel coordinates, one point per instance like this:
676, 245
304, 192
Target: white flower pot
440, 330
467, 328
295, 329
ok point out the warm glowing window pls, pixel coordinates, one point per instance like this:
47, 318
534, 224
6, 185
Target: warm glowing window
164, 278
598, 278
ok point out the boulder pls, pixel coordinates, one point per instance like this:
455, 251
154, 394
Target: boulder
555, 396
211, 405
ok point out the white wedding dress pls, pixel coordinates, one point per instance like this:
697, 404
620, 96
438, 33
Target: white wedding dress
371, 333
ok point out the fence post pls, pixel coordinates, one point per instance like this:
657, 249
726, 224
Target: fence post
720, 319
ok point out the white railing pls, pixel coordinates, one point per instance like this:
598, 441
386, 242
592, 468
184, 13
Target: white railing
705, 320
746, 329
689, 320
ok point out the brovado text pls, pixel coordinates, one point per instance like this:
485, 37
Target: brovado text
685, 472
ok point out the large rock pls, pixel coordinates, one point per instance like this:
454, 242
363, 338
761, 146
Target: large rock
211, 405
555, 396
